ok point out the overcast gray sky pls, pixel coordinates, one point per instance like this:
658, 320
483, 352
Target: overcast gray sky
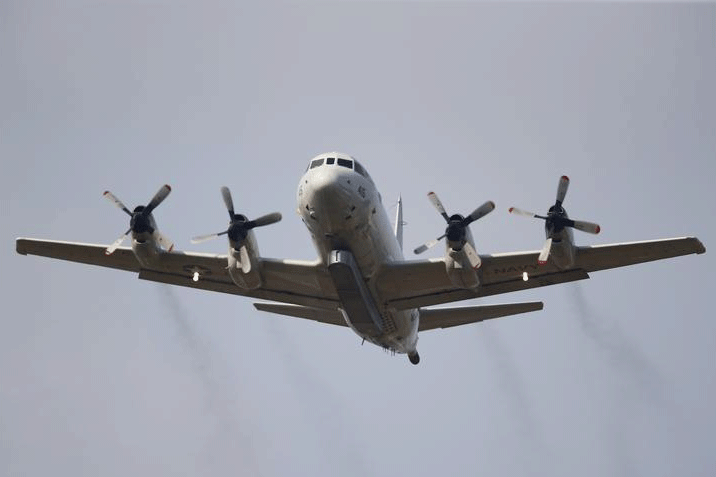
101, 374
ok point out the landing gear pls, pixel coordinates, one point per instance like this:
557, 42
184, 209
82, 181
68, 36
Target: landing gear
414, 357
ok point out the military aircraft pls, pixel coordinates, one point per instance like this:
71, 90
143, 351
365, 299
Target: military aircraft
361, 279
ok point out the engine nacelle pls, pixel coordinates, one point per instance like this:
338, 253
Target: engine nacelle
563, 251
459, 270
243, 263
562, 255
146, 249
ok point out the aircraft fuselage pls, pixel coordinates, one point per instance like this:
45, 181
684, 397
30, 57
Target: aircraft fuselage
344, 213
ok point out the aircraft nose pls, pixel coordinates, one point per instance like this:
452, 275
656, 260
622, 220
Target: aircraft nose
327, 197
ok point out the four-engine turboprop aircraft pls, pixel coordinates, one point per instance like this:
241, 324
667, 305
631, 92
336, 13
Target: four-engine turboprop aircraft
360, 278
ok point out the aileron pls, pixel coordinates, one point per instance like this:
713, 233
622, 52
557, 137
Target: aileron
90, 254
602, 257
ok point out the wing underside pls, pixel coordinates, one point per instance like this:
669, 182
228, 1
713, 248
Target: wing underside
286, 281
401, 285
420, 283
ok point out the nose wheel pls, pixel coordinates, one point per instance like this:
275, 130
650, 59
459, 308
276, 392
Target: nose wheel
414, 357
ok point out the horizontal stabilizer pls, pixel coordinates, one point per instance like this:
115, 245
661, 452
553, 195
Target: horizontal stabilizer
447, 317
332, 317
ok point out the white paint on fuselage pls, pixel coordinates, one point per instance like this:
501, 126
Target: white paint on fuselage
343, 210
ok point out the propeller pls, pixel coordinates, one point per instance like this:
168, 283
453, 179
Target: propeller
140, 220
239, 225
556, 219
457, 228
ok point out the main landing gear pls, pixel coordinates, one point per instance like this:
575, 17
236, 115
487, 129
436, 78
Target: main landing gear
414, 357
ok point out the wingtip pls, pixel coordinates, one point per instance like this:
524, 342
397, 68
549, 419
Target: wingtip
20, 246
700, 248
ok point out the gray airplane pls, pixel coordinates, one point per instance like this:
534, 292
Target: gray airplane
360, 278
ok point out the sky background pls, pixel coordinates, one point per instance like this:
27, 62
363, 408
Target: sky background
103, 374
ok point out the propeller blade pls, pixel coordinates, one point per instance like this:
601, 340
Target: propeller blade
588, 227
165, 242
480, 212
109, 196
267, 219
428, 245
226, 194
158, 198
110, 250
472, 255
206, 238
525, 213
562, 189
433, 197
544, 254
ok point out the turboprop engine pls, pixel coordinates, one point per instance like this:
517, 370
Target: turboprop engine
147, 242
461, 259
559, 245
243, 258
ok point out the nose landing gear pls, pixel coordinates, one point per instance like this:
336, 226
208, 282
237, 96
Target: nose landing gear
414, 357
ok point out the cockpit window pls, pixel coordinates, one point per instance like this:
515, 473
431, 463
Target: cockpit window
330, 160
316, 162
361, 170
345, 163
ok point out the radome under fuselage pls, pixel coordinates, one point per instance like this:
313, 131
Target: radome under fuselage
343, 210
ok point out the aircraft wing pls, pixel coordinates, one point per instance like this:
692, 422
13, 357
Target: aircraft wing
419, 283
403, 285
287, 281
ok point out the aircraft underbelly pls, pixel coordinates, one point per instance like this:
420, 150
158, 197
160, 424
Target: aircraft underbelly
357, 304
354, 237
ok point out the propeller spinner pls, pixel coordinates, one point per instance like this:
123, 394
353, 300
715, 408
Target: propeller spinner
556, 220
141, 220
456, 230
239, 225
